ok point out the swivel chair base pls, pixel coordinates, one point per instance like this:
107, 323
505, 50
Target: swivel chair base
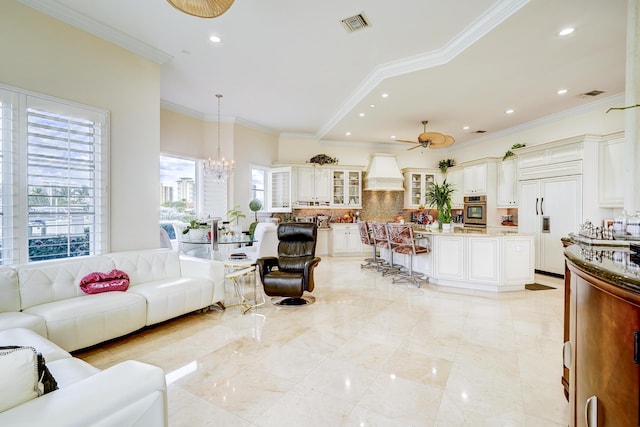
293, 301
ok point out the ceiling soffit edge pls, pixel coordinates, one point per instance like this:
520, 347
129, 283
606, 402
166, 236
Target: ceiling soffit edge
105, 32
603, 104
476, 30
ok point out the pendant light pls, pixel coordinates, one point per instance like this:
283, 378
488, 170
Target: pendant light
220, 168
202, 8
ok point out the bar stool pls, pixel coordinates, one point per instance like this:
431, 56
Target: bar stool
367, 239
382, 241
403, 242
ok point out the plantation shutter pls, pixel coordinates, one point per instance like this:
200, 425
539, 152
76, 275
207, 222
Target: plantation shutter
66, 180
9, 129
212, 196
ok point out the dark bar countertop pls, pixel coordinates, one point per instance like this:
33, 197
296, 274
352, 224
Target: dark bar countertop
614, 264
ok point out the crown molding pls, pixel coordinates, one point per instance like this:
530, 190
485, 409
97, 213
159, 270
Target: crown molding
78, 20
170, 106
476, 30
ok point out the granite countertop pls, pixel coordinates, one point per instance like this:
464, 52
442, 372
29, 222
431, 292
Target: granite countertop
472, 231
615, 264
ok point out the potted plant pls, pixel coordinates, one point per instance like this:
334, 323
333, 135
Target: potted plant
445, 164
234, 214
439, 196
510, 153
196, 229
254, 205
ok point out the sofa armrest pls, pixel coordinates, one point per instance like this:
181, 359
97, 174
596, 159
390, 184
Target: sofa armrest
130, 393
204, 268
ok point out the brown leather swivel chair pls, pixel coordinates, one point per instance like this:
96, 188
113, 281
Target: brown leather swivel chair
290, 274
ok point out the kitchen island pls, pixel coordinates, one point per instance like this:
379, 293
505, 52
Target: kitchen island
602, 338
474, 258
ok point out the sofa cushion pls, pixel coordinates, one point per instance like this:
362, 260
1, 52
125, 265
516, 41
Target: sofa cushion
148, 265
19, 373
9, 290
46, 281
170, 298
80, 322
70, 370
28, 338
16, 319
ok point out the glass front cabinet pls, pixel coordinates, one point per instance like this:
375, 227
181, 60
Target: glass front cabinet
346, 188
416, 183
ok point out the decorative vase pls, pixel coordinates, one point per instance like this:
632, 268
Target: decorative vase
446, 227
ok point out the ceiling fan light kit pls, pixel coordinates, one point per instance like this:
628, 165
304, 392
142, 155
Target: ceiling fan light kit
202, 8
433, 140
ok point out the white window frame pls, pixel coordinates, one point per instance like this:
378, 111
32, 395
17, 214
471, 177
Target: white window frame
14, 140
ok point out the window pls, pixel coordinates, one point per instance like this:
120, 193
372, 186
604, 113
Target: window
258, 183
186, 193
53, 157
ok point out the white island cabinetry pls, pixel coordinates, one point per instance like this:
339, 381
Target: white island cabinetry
488, 260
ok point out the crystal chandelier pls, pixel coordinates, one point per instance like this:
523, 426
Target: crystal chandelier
220, 168
202, 8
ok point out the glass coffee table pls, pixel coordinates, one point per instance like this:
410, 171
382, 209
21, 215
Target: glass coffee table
239, 272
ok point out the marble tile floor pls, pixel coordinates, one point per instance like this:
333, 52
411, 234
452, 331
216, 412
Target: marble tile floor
367, 353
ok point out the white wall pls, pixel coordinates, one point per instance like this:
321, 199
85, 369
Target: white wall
45, 55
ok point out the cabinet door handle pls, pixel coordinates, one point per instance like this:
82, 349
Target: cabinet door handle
541, 200
591, 412
536, 206
636, 347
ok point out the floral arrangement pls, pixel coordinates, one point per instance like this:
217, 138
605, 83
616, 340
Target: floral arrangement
445, 164
323, 159
510, 153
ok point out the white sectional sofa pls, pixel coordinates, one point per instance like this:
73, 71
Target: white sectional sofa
127, 394
46, 297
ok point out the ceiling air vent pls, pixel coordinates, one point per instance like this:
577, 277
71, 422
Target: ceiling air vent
479, 131
593, 93
355, 23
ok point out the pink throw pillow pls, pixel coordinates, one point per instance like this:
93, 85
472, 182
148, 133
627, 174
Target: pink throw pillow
94, 283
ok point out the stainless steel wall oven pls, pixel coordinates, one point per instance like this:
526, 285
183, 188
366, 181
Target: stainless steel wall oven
475, 211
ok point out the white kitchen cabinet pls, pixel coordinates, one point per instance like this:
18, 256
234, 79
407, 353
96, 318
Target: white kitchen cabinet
416, 184
345, 240
507, 184
448, 257
611, 158
279, 183
518, 255
322, 243
483, 262
313, 186
346, 188
550, 208
456, 178
475, 179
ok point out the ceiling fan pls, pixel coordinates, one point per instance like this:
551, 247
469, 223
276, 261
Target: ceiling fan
432, 140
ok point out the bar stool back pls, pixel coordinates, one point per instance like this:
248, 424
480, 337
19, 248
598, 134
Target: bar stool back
382, 241
367, 239
403, 242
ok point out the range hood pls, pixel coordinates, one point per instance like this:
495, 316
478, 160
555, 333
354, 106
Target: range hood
383, 174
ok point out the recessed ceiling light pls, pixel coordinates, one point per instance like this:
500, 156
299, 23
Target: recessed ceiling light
215, 39
466, 128
393, 137
348, 133
372, 105
566, 31
561, 91
509, 111
361, 114
385, 95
